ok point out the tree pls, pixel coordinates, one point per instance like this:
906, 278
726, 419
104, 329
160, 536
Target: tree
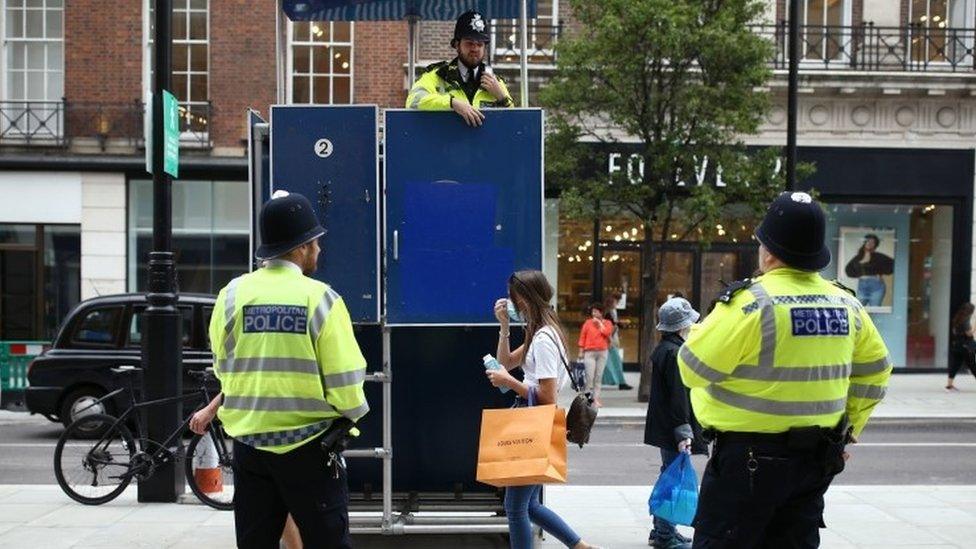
683, 78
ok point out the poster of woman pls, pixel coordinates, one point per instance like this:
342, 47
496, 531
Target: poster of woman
867, 255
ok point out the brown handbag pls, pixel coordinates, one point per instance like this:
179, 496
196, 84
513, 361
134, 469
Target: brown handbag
582, 413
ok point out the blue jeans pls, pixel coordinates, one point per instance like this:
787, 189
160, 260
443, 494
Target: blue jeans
523, 507
871, 291
664, 530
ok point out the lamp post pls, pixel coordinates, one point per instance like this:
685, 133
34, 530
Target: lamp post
162, 342
793, 41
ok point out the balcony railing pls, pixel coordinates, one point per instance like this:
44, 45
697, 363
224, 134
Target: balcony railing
541, 42
867, 47
64, 123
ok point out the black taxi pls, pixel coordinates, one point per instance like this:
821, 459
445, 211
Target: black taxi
104, 333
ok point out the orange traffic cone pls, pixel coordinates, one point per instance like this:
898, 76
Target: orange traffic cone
206, 467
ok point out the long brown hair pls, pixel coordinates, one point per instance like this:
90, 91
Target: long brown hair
963, 314
534, 292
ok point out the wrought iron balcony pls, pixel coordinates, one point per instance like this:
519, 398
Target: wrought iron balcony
63, 123
867, 47
541, 42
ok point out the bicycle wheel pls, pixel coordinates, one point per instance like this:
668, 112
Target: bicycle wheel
208, 469
96, 472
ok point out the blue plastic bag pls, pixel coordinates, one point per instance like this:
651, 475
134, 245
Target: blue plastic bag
675, 494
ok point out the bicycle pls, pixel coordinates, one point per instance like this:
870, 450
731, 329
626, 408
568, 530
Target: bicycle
102, 471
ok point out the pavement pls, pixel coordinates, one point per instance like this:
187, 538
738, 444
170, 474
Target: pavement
862, 517
857, 516
910, 396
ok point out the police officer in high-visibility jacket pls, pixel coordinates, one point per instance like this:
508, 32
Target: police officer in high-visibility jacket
289, 368
783, 374
465, 83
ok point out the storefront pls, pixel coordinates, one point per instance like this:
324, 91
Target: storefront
917, 204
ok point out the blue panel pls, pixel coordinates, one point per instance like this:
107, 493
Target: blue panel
464, 210
344, 188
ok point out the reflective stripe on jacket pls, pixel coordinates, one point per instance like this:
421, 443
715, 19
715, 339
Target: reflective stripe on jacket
286, 357
791, 350
442, 81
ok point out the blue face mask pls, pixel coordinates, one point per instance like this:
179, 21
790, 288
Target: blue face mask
513, 313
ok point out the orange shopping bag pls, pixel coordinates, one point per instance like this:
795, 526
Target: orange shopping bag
521, 446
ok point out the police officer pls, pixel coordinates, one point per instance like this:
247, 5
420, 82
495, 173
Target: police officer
290, 369
783, 373
465, 83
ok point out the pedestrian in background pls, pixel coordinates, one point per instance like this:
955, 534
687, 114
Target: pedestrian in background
963, 347
542, 358
614, 372
671, 424
594, 345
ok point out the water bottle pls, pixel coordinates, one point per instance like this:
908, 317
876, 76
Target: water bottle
492, 364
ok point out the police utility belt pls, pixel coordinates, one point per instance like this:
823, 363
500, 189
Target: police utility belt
826, 443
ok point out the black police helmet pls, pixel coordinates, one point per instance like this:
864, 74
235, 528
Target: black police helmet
287, 221
795, 230
473, 26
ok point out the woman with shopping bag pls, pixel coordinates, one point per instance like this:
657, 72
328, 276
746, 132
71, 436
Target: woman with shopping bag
541, 359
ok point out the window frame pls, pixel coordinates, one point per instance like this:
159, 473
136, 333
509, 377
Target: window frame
496, 40
188, 136
968, 23
290, 64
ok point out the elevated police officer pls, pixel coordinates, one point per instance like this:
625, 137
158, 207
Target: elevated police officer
784, 372
466, 82
290, 369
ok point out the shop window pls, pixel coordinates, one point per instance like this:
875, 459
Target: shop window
898, 260
211, 233
40, 278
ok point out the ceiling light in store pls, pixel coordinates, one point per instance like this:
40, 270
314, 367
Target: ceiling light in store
571, 259
674, 236
634, 231
719, 226
609, 228
338, 55
942, 25
937, 18
614, 257
589, 258
345, 64
617, 238
316, 29
923, 18
604, 260
588, 243
578, 258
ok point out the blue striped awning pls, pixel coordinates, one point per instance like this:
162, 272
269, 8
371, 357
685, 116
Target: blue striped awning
396, 10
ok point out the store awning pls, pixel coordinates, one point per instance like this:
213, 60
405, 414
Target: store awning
396, 10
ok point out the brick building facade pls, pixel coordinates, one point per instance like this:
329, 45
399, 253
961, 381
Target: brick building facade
883, 82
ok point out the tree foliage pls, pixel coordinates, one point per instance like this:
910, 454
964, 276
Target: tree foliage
682, 81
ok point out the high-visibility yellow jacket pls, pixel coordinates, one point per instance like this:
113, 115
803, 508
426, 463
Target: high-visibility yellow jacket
789, 350
286, 357
442, 81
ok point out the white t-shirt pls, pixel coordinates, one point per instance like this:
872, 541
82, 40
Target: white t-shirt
544, 359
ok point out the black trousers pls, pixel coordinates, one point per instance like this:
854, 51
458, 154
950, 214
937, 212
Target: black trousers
963, 354
268, 486
778, 505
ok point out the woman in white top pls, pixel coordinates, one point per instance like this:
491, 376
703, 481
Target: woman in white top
541, 359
